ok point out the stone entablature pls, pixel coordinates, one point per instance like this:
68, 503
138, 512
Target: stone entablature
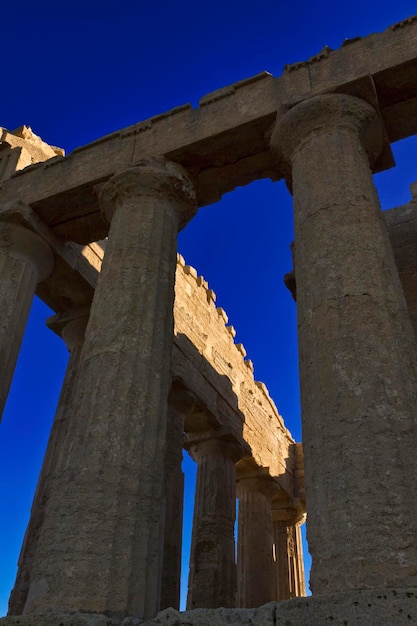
223, 143
222, 378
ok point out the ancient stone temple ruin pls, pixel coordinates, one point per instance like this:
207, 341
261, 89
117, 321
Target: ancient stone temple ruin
149, 376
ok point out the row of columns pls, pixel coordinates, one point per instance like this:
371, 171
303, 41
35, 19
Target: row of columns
289, 580
212, 579
264, 556
269, 563
99, 544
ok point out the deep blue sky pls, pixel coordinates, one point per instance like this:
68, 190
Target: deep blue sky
74, 74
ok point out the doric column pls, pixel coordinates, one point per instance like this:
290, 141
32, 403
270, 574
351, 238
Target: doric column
356, 350
212, 575
71, 326
100, 548
297, 560
180, 405
25, 260
287, 554
254, 554
281, 561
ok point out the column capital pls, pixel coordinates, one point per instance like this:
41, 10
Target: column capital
291, 512
253, 482
214, 442
322, 115
151, 177
22, 242
70, 325
181, 398
19, 234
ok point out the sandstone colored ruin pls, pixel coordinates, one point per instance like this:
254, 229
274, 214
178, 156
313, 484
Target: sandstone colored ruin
119, 446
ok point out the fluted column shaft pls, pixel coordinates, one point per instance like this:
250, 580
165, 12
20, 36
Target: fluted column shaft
281, 561
25, 260
356, 350
212, 575
288, 560
298, 562
254, 555
72, 328
104, 555
180, 405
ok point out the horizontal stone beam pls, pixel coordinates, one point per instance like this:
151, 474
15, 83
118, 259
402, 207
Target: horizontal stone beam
76, 268
222, 142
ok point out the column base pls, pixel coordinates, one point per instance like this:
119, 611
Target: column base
373, 607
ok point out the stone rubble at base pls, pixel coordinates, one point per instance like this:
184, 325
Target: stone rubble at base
364, 608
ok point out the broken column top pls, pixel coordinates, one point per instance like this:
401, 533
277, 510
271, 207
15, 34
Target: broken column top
20, 148
23, 136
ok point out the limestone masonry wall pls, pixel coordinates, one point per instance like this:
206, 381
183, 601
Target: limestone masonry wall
227, 387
